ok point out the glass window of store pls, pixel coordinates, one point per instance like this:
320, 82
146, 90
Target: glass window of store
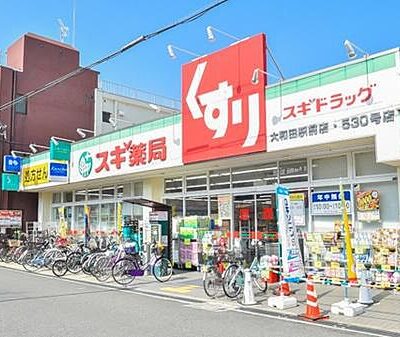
214, 206
107, 192
67, 196
329, 167
196, 182
220, 179
196, 206
176, 206
93, 195
255, 175
293, 171
173, 185
79, 221
366, 165
56, 198
80, 196
107, 217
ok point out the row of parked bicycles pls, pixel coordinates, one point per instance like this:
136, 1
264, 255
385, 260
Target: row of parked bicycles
102, 258
225, 271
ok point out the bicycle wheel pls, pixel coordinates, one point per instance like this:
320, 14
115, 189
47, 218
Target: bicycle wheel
103, 268
31, 261
59, 268
233, 281
74, 264
260, 282
123, 271
162, 269
212, 283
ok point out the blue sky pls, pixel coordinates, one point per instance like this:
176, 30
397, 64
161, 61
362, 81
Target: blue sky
303, 35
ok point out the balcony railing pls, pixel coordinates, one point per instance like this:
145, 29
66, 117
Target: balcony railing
148, 97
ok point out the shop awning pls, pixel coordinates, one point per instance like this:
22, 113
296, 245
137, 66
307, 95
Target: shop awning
157, 206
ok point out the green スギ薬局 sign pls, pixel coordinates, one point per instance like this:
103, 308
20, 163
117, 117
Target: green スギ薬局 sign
9, 182
60, 150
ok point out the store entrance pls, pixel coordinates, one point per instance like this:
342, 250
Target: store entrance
244, 222
255, 221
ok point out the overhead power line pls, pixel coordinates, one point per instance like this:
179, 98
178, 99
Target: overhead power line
123, 49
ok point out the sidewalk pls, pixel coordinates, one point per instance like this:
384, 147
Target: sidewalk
383, 315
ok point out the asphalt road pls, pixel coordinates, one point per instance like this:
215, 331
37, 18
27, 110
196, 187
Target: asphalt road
37, 306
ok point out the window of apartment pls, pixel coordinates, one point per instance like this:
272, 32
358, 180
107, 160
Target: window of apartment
21, 106
106, 116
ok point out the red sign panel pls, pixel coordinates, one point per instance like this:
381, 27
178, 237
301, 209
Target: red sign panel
223, 98
244, 214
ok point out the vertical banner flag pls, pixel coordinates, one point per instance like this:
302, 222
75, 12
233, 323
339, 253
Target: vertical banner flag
87, 227
351, 271
291, 256
119, 218
62, 229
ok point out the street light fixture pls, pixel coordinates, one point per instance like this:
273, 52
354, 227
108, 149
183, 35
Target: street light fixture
15, 152
351, 49
255, 77
82, 132
211, 37
34, 147
55, 140
171, 51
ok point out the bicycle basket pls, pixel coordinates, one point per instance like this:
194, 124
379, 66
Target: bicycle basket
130, 250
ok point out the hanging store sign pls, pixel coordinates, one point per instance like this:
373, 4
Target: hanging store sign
10, 218
223, 105
329, 203
155, 149
12, 164
60, 150
35, 175
58, 171
291, 257
339, 110
368, 206
297, 204
10, 182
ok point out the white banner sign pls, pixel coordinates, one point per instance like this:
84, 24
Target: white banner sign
343, 110
298, 209
291, 256
146, 151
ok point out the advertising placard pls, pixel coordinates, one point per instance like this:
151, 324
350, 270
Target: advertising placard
35, 175
58, 171
10, 218
224, 207
291, 257
223, 102
368, 206
298, 209
329, 203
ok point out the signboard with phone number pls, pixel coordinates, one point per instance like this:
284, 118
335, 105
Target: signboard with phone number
329, 203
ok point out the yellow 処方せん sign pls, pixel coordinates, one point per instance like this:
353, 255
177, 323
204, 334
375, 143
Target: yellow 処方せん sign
35, 175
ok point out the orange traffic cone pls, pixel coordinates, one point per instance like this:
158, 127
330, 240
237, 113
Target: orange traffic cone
283, 289
312, 309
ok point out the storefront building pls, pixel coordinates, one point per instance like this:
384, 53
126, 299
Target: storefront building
335, 126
